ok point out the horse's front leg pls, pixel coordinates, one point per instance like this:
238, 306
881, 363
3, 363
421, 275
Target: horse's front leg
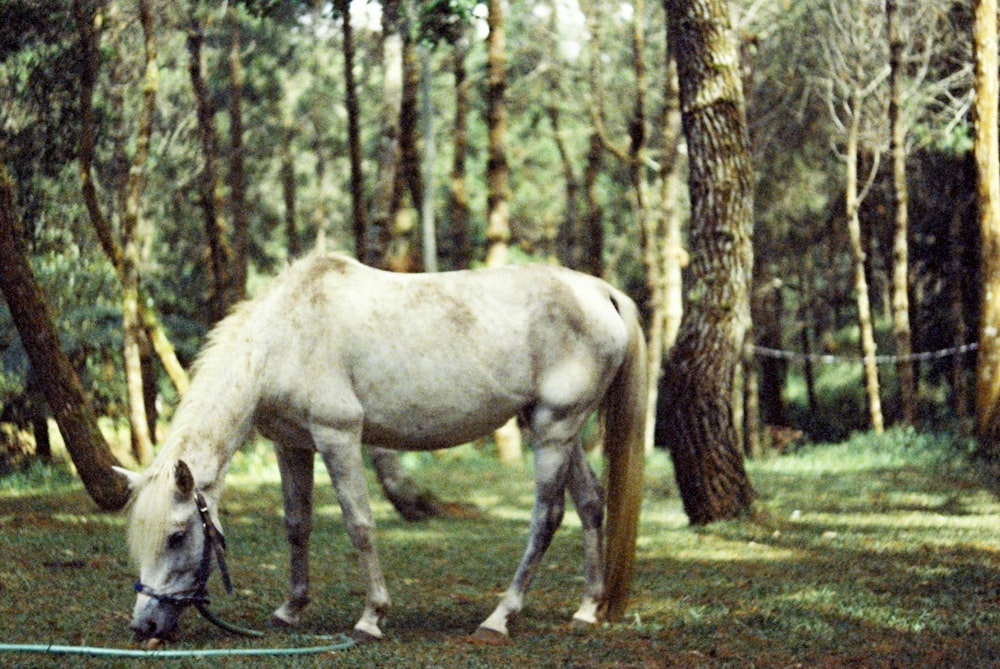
551, 464
296, 466
345, 465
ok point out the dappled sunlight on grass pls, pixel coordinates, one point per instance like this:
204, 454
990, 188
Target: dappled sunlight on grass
849, 558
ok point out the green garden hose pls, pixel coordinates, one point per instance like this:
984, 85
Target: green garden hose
343, 643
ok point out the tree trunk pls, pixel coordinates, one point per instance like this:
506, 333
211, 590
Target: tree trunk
142, 439
88, 27
55, 375
866, 329
359, 219
696, 395
380, 233
428, 228
988, 200
237, 171
220, 252
508, 437
459, 245
900, 247
402, 256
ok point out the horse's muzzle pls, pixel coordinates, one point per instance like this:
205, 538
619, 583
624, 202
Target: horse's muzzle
155, 621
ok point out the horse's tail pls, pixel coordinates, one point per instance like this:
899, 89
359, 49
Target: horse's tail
624, 413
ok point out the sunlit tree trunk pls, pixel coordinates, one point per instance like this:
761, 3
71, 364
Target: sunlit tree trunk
988, 200
88, 26
696, 393
900, 246
508, 437
142, 438
867, 331
58, 381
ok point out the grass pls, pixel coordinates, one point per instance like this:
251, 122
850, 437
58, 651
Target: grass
869, 553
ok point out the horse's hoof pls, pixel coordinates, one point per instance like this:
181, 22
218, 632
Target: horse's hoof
361, 637
484, 636
578, 625
278, 621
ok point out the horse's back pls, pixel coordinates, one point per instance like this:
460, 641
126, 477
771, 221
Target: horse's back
432, 360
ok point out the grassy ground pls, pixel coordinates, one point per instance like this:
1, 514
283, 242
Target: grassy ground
872, 553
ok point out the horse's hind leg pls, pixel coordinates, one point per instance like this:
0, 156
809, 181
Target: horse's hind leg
551, 470
296, 466
588, 498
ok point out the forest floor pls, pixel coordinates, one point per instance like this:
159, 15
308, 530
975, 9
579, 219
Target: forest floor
872, 553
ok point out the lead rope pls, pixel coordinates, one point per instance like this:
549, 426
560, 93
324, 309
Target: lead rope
215, 543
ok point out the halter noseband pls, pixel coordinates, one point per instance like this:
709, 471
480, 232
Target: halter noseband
197, 595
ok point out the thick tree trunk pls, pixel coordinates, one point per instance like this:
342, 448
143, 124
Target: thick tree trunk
988, 199
696, 394
900, 246
56, 377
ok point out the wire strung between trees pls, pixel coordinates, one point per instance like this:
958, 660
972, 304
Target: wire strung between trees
827, 358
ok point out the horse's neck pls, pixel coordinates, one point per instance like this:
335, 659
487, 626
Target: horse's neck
213, 420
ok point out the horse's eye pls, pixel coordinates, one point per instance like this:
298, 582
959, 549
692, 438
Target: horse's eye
176, 540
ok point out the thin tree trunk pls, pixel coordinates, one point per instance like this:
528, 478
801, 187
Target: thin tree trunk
900, 248
460, 242
237, 171
142, 440
988, 200
359, 218
428, 228
88, 27
377, 242
696, 395
508, 437
865, 326
220, 252
55, 375
959, 384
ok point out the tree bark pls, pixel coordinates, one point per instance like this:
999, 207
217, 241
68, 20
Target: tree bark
237, 171
459, 247
359, 218
867, 331
380, 232
900, 247
55, 375
508, 437
212, 205
696, 394
88, 27
132, 327
988, 200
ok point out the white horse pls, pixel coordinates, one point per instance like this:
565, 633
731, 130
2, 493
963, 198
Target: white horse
335, 354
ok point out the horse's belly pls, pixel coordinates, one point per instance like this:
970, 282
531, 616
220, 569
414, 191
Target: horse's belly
420, 426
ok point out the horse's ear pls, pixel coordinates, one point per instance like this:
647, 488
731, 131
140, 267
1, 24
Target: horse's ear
132, 477
184, 480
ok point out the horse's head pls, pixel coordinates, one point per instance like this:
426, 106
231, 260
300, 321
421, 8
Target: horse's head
171, 534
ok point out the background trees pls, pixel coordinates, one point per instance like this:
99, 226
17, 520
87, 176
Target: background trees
304, 134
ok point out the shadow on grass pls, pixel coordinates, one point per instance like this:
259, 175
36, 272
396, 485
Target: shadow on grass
895, 567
